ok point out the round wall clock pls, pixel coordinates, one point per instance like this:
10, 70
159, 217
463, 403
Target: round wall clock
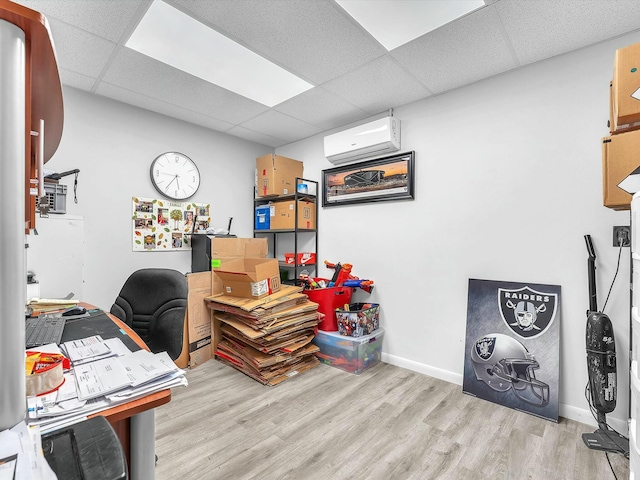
175, 175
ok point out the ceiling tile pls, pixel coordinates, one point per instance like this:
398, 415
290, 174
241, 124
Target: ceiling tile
313, 39
139, 73
321, 108
462, 52
76, 80
256, 137
158, 106
79, 51
105, 18
545, 28
378, 86
279, 125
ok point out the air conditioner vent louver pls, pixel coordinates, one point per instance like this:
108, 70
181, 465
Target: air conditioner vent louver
364, 141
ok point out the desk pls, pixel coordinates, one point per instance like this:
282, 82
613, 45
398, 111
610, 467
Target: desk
134, 421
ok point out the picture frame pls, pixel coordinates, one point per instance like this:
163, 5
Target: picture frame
381, 179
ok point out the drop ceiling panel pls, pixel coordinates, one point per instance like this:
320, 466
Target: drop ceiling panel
76, 80
79, 51
279, 125
465, 51
378, 86
139, 73
256, 137
545, 28
158, 106
108, 19
321, 108
313, 39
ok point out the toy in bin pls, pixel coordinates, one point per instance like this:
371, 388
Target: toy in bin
331, 294
329, 299
342, 277
353, 355
358, 319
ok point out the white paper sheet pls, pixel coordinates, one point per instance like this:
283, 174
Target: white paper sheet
86, 349
98, 378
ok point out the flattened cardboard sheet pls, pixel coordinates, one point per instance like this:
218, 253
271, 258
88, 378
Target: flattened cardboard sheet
247, 304
199, 318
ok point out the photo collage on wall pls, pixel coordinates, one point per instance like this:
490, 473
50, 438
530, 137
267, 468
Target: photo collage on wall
165, 226
512, 348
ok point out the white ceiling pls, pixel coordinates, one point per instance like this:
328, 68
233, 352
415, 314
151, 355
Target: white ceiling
354, 76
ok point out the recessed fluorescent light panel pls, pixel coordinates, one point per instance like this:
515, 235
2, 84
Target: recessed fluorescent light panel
396, 22
172, 37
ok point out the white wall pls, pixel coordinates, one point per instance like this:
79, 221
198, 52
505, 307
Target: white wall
508, 181
113, 145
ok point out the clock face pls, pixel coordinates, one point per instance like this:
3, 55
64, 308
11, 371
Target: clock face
175, 175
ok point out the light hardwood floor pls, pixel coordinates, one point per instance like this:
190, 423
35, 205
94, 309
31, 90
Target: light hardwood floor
388, 423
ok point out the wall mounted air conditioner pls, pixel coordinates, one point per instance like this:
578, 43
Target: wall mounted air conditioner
364, 141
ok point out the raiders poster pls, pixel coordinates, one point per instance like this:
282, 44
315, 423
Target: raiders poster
512, 354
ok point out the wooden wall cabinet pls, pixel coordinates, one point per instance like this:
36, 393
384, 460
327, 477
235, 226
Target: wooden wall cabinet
44, 106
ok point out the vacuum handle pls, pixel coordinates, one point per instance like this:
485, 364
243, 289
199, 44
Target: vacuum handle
590, 249
591, 270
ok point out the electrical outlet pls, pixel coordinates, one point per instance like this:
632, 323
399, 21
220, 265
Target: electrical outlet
621, 233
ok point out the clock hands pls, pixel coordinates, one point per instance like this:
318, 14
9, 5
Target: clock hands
174, 179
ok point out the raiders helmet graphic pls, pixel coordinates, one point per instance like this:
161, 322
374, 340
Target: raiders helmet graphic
503, 363
527, 312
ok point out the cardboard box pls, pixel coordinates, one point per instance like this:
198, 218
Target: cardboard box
620, 157
224, 250
249, 277
199, 319
284, 217
351, 354
626, 88
277, 175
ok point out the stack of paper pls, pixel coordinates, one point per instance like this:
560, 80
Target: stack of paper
268, 339
87, 349
44, 305
104, 373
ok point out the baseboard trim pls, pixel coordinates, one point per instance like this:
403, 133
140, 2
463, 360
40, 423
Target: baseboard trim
445, 375
582, 415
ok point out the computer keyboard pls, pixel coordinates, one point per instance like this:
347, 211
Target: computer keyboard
42, 330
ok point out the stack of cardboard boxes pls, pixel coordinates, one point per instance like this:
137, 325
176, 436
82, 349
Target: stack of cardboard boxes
255, 324
276, 176
270, 339
621, 150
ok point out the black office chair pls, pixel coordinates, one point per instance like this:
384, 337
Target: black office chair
153, 302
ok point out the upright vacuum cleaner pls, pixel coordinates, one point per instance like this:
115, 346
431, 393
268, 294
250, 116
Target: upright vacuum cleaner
601, 366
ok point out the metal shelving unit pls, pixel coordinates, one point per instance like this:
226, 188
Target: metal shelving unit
297, 233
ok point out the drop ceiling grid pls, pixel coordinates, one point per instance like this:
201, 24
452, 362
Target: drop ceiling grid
321, 43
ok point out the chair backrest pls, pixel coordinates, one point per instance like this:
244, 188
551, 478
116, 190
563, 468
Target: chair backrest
153, 302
